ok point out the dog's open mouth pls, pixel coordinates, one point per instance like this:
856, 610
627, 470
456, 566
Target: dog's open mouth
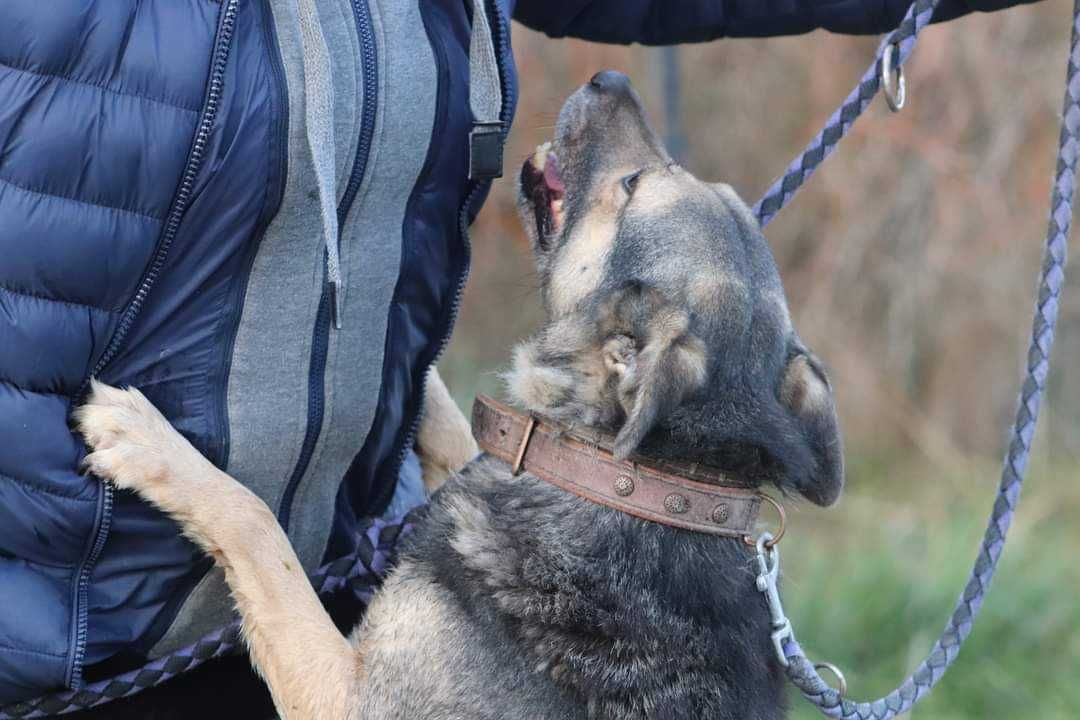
542, 185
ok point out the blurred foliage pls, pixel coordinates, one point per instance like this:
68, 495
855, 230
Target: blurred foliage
909, 262
870, 586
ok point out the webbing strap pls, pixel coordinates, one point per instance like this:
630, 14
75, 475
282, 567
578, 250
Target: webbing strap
485, 88
485, 99
319, 129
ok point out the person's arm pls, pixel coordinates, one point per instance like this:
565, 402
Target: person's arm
663, 22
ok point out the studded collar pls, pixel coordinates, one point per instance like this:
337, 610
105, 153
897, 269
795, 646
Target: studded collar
683, 495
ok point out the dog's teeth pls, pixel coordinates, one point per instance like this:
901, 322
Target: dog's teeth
540, 156
556, 214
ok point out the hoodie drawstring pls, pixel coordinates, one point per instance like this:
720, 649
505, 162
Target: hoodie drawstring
485, 139
319, 118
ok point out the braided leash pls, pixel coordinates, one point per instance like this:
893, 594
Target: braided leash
799, 669
899, 43
361, 571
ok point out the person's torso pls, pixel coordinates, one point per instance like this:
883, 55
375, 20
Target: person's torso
163, 150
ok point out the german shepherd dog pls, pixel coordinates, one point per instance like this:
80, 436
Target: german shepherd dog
667, 327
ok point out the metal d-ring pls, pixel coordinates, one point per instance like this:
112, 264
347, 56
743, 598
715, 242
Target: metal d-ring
774, 539
842, 689
894, 96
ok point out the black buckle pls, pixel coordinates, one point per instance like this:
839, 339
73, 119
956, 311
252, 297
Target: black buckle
486, 151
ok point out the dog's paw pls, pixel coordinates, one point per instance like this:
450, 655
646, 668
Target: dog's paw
131, 443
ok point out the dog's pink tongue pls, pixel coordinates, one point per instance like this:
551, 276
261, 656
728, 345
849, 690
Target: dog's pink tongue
553, 178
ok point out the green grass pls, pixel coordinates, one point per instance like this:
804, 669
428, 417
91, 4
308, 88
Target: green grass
869, 585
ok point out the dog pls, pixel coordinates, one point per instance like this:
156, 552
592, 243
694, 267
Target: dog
667, 327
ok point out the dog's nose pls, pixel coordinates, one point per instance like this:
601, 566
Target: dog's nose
610, 81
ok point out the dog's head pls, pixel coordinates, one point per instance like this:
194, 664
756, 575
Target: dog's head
666, 319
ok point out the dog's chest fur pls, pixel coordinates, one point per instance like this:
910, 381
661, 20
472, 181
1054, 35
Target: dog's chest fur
615, 616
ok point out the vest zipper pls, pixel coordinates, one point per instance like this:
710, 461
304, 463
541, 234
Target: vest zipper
321, 340
501, 38
219, 61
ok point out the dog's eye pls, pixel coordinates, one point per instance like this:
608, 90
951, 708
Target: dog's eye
630, 182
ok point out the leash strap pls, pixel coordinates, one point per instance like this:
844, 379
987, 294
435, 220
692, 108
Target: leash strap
799, 669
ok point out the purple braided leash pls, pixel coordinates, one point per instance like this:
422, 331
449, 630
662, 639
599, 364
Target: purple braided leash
840, 122
800, 670
361, 571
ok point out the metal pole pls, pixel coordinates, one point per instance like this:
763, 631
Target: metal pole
672, 92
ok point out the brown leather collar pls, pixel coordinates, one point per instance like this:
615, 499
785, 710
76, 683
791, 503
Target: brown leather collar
682, 495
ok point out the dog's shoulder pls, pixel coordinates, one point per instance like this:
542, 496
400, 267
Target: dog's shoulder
434, 633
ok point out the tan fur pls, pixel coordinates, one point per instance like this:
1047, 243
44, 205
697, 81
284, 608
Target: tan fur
400, 626
658, 191
803, 390
692, 361
444, 442
534, 385
580, 266
408, 636
711, 293
735, 203
311, 669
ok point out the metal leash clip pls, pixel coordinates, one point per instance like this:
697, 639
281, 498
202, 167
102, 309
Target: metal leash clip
768, 560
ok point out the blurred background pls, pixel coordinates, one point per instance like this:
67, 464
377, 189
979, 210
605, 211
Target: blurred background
910, 262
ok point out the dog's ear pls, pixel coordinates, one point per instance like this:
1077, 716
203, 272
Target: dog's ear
652, 357
805, 393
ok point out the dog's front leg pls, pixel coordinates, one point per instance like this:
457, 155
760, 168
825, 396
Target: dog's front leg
312, 670
445, 442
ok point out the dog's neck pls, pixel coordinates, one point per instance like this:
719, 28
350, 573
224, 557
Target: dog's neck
632, 618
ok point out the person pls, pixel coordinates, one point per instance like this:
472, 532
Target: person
255, 211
